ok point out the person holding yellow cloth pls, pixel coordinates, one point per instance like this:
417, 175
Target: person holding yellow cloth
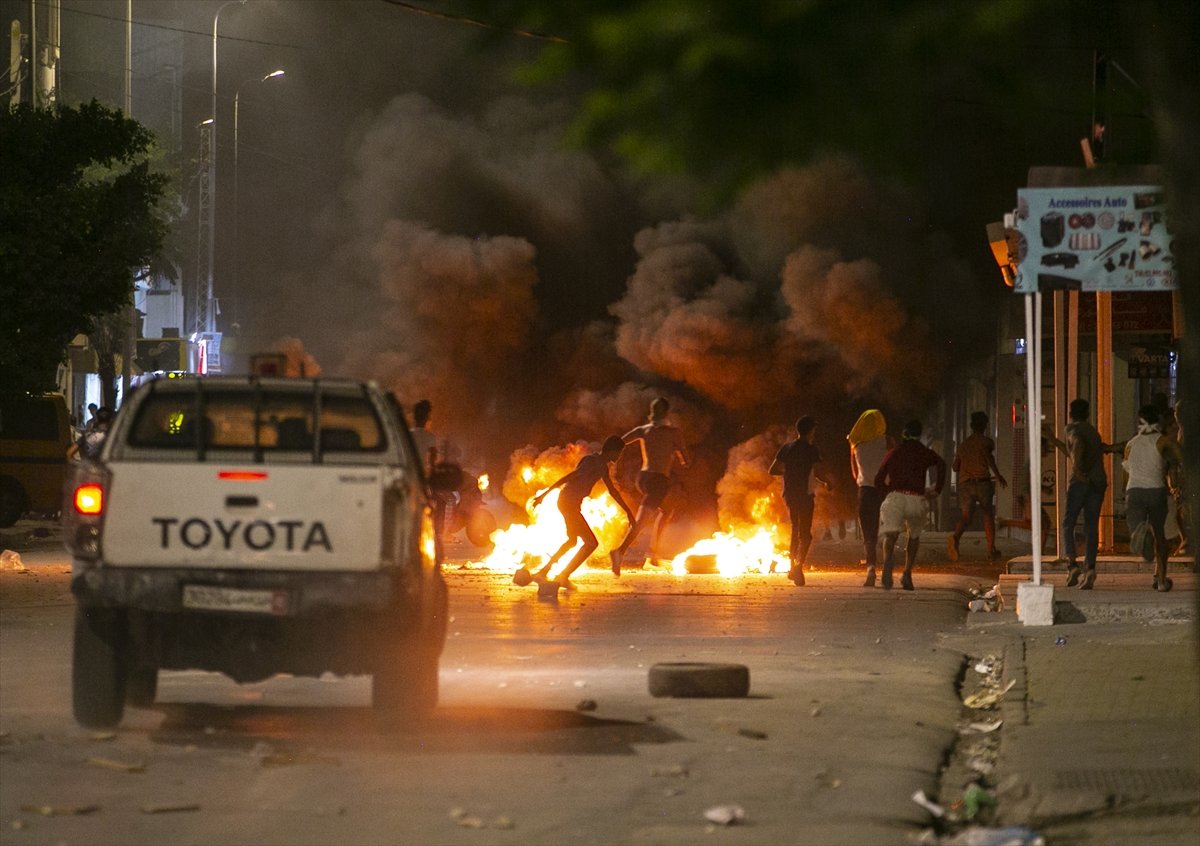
868, 446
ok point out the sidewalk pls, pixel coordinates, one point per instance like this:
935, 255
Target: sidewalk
1101, 735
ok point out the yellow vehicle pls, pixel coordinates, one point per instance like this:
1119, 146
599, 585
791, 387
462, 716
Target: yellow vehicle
35, 433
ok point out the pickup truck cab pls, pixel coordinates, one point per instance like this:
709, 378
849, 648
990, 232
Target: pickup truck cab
254, 526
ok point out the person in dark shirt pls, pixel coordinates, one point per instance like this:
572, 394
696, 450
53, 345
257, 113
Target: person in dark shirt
1085, 491
577, 486
902, 477
799, 462
975, 464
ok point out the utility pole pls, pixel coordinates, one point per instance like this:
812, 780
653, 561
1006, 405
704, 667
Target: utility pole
129, 343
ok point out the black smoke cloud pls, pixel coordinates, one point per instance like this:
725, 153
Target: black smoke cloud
492, 282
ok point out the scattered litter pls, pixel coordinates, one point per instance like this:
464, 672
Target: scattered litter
471, 822
586, 705
753, 734
985, 728
121, 766
503, 823
989, 600
987, 698
1060, 641
827, 779
725, 814
18, 824
976, 800
170, 808
457, 813
102, 735
60, 810
1014, 835
981, 766
932, 807
673, 771
11, 560
815, 712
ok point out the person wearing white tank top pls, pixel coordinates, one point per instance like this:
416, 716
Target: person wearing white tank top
1149, 457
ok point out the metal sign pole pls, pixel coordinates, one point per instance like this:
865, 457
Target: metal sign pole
1033, 418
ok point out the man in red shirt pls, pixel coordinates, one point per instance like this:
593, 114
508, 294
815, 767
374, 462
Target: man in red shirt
903, 477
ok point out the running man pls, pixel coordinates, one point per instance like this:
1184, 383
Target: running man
975, 464
906, 503
799, 462
661, 445
577, 486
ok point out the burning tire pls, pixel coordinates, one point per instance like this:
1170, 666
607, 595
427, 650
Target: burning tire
699, 680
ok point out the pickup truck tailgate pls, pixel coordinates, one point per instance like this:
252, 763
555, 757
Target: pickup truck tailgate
268, 517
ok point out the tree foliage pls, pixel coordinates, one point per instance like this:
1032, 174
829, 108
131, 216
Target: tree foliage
79, 213
727, 91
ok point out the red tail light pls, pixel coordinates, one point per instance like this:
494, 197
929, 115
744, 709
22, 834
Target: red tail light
89, 499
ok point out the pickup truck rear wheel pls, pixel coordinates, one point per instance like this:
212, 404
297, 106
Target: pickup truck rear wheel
97, 667
404, 690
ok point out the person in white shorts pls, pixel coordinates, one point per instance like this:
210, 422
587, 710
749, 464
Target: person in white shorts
902, 477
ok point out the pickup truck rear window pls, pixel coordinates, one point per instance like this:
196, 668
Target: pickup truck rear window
268, 421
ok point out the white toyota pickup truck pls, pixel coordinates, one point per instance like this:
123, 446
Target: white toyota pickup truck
254, 526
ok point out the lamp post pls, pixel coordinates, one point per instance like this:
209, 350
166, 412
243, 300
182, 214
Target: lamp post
237, 254
210, 322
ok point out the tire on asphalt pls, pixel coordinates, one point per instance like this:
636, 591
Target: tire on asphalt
98, 673
404, 687
699, 680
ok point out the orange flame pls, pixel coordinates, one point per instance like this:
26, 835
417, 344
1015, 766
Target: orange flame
750, 548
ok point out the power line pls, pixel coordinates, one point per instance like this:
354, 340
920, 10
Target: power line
180, 29
446, 16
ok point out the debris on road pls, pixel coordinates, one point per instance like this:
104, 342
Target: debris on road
170, 808
120, 766
753, 734
932, 807
60, 810
101, 736
976, 801
725, 814
986, 698
984, 728
827, 779
11, 560
1014, 835
503, 823
586, 705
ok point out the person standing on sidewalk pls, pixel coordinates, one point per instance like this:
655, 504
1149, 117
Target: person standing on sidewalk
902, 477
975, 464
868, 447
799, 462
1085, 491
1151, 459
661, 444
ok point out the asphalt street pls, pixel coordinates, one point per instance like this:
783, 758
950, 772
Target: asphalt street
546, 731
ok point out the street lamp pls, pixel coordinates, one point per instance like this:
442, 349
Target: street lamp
237, 254
210, 322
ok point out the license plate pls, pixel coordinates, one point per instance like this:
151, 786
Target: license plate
238, 600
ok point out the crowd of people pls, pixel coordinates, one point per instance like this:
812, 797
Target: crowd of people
894, 491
